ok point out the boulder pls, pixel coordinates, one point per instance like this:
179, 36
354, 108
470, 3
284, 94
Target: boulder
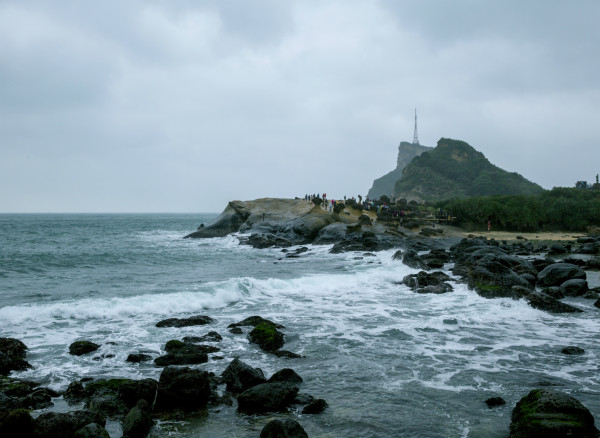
574, 288
185, 322
230, 221
12, 363
112, 397
267, 240
572, 350
138, 421
266, 336
182, 388
239, 376
556, 248
557, 273
209, 337
79, 348
13, 348
286, 375
16, 423
495, 401
64, 424
267, 397
413, 260
138, 357
541, 301
550, 413
92, 430
316, 406
424, 282
184, 353
283, 428
253, 321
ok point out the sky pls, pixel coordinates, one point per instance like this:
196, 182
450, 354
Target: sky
183, 106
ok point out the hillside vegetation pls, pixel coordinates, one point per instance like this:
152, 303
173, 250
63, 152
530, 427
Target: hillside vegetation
567, 209
454, 169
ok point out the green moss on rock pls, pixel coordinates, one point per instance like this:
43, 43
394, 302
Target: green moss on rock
266, 336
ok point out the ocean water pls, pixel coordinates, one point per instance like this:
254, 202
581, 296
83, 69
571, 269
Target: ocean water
389, 362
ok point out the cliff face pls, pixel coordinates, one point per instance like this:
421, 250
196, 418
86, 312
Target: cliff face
385, 184
454, 169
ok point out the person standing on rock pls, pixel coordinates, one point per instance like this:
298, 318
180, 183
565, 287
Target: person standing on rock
489, 223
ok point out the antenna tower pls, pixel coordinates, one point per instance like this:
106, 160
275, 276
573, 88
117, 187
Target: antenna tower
416, 136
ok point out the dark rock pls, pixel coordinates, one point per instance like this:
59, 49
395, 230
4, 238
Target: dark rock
64, 424
541, 301
182, 388
558, 273
253, 321
239, 376
574, 288
286, 375
555, 248
13, 348
267, 397
184, 353
286, 354
138, 421
185, 322
413, 260
283, 428
363, 219
261, 241
316, 406
495, 401
424, 282
236, 331
572, 350
79, 348
588, 248
530, 278
16, 423
597, 303
12, 363
549, 413
540, 264
586, 239
266, 336
92, 430
554, 291
138, 357
397, 255
131, 391
209, 337
40, 398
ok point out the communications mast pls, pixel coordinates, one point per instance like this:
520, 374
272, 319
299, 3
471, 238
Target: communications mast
416, 136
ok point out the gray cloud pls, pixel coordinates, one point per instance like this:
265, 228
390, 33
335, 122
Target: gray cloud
183, 106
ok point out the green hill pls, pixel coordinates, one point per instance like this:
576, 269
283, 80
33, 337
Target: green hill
454, 169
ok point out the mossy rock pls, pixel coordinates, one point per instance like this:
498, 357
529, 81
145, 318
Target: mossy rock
267, 337
16, 423
551, 414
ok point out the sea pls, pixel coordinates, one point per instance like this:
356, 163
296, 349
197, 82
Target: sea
388, 361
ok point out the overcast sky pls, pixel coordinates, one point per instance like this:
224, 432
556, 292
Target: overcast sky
182, 106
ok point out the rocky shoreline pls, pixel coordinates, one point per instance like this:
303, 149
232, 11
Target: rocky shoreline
540, 273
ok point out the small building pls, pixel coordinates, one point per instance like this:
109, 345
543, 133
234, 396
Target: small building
581, 185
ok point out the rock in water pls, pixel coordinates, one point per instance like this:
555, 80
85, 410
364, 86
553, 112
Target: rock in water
551, 414
557, 273
239, 376
185, 322
267, 397
286, 428
182, 388
266, 336
79, 348
138, 421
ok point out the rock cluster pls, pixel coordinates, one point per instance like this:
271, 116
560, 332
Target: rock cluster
180, 389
